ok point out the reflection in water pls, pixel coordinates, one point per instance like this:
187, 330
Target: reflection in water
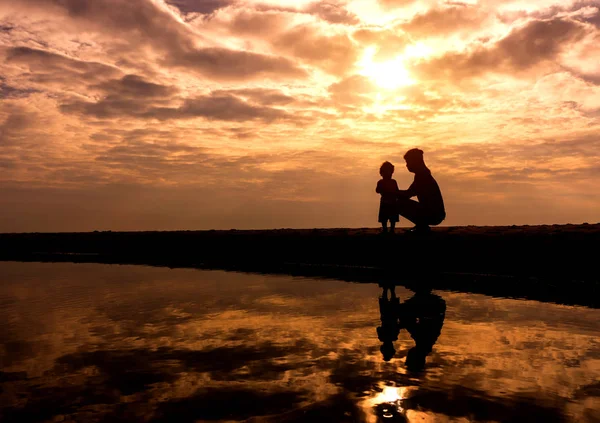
422, 316
390, 407
99, 343
390, 326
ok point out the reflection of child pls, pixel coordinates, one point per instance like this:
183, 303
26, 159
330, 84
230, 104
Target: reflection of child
388, 189
389, 329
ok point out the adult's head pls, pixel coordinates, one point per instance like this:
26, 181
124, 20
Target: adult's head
414, 160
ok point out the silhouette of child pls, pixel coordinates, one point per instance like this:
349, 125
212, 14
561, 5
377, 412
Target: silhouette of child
388, 189
389, 329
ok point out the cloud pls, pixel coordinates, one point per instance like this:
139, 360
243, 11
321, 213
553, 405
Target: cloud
220, 107
334, 54
195, 6
289, 32
394, 4
520, 51
7, 91
51, 68
254, 23
537, 41
216, 106
227, 65
593, 17
128, 96
333, 12
16, 121
6, 28
263, 96
580, 10
442, 21
389, 42
148, 24
353, 90
134, 86
572, 160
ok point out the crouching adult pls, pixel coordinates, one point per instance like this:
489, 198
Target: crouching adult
429, 210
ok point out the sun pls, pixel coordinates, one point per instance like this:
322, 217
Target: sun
390, 74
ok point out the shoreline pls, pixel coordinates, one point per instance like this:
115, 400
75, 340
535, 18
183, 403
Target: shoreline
553, 263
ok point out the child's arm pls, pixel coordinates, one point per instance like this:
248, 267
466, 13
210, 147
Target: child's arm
378, 189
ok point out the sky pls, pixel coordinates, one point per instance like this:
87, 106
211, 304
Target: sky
219, 114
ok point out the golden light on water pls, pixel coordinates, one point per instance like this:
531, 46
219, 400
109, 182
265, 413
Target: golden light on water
389, 399
391, 394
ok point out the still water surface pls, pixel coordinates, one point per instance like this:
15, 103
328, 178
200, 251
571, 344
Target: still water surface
110, 343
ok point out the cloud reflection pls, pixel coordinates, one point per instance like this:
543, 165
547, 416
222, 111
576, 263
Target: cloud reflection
139, 343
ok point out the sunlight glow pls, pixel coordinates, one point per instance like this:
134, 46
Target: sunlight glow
389, 400
390, 74
390, 394
417, 51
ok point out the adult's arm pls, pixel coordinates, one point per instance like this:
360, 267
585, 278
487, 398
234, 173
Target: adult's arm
408, 193
378, 189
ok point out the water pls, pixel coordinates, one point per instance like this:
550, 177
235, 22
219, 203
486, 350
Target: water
101, 343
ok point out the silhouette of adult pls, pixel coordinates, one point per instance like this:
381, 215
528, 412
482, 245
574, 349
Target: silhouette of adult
429, 210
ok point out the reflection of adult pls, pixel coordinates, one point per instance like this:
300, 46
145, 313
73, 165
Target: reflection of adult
423, 317
429, 210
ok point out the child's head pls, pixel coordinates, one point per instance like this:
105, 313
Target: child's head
414, 160
386, 170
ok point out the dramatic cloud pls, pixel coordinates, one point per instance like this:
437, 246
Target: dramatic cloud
333, 13
521, 50
134, 86
49, 68
145, 23
443, 21
279, 113
204, 6
389, 43
220, 107
334, 54
222, 64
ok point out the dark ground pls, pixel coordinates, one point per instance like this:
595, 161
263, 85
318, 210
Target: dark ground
557, 263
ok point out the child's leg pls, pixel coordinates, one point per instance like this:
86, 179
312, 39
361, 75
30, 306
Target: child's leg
384, 294
392, 226
384, 226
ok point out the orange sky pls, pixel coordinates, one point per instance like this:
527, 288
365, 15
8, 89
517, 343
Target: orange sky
181, 114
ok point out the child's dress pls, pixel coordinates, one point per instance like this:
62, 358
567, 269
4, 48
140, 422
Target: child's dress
388, 210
